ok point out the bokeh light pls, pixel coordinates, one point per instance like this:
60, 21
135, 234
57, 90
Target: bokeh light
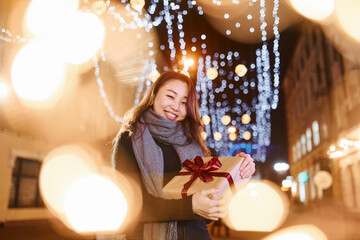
154, 75
41, 15
60, 169
78, 36
212, 73
232, 129
206, 119
323, 179
98, 7
203, 135
137, 4
241, 70
245, 118
188, 62
37, 74
347, 12
225, 119
233, 136
314, 9
260, 206
298, 232
4, 89
95, 204
247, 135
217, 136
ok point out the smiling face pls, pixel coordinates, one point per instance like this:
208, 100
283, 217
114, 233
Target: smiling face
170, 101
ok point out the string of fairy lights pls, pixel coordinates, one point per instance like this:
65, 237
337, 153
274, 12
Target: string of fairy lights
236, 96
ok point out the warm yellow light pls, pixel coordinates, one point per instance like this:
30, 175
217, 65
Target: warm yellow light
60, 169
37, 73
241, 70
206, 119
217, 136
225, 119
188, 62
78, 36
247, 135
323, 179
203, 135
247, 211
332, 148
284, 189
41, 15
94, 203
98, 7
245, 118
298, 232
212, 73
4, 89
232, 129
233, 136
137, 4
314, 9
154, 75
347, 12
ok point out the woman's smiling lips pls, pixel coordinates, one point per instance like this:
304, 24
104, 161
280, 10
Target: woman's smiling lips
170, 116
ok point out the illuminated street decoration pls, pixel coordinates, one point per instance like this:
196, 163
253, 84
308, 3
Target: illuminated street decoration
253, 95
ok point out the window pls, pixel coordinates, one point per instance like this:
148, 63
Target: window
24, 185
316, 136
303, 144
308, 140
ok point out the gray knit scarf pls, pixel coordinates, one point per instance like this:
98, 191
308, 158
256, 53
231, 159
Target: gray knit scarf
150, 159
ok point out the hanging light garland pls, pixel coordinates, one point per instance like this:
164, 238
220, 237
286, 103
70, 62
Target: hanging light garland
213, 98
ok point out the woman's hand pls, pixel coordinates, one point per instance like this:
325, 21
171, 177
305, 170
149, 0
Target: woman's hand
205, 206
247, 167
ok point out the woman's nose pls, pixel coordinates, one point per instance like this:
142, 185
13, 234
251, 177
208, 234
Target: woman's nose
175, 105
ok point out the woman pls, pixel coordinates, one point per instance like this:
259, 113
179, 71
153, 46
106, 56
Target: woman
158, 135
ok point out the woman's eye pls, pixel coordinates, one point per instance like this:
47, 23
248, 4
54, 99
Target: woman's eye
169, 96
184, 103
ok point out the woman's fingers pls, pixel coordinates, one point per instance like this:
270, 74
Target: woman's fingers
247, 167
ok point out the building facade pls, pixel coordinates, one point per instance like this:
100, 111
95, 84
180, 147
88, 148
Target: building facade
321, 90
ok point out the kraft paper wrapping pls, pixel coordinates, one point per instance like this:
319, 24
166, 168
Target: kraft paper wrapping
231, 165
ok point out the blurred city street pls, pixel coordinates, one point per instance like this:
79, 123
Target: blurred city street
332, 219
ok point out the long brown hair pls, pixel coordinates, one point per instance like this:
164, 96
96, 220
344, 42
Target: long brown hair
192, 122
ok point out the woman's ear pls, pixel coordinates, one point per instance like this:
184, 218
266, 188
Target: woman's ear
151, 102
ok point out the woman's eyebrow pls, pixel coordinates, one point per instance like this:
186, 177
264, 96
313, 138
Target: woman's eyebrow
175, 92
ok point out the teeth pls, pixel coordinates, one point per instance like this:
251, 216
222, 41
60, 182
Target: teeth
171, 115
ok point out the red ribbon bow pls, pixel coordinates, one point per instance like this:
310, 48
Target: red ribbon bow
205, 172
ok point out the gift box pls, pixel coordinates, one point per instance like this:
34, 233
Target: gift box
202, 173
